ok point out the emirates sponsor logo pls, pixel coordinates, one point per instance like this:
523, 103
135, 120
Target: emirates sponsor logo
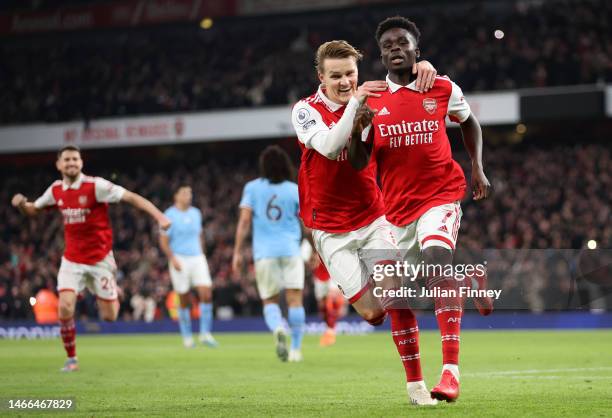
75, 215
404, 127
406, 134
430, 105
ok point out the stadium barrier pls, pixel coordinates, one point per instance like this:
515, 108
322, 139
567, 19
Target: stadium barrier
349, 325
494, 108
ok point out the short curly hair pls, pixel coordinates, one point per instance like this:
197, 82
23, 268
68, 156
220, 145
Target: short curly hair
398, 22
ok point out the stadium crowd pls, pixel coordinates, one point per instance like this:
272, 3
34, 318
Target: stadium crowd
254, 61
555, 198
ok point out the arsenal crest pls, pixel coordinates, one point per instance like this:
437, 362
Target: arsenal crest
430, 105
82, 200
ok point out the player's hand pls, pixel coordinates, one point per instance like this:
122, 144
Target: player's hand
370, 89
314, 261
363, 118
19, 200
237, 262
481, 188
426, 75
176, 264
164, 223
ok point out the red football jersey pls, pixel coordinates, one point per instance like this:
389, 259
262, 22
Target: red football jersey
411, 148
84, 205
334, 197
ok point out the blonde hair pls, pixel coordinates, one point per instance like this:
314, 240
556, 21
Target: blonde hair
335, 49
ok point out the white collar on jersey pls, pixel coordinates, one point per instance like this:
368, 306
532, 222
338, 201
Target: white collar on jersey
75, 185
395, 87
333, 106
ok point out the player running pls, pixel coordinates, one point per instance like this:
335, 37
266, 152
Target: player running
184, 246
330, 302
421, 183
88, 256
344, 206
270, 203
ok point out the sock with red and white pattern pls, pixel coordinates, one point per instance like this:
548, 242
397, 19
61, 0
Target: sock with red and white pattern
405, 332
68, 333
448, 311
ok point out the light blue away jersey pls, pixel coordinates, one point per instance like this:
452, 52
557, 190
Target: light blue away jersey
185, 231
277, 231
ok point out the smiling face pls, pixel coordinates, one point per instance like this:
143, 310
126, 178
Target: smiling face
339, 78
70, 164
398, 50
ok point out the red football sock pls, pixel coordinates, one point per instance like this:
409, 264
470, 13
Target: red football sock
448, 314
330, 312
405, 332
68, 333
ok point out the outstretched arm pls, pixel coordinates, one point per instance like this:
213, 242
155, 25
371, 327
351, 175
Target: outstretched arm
472, 139
27, 208
242, 230
145, 205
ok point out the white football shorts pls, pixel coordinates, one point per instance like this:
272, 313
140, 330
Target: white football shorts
194, 272
276, 273
439, 226
99, 278
350, 257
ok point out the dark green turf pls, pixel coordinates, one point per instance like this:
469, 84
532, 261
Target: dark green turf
533, 373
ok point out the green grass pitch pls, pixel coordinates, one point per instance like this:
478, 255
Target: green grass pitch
511, 373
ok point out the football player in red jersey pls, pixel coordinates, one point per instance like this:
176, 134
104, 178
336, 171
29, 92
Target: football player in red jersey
342, 206
88, 256
421, 183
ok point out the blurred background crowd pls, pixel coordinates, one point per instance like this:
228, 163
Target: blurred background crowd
258, 61
544, 198
551, 192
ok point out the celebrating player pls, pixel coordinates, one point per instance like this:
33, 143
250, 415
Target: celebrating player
88, 257
329, 301
270, 203
184, 246
421, 183
343, 206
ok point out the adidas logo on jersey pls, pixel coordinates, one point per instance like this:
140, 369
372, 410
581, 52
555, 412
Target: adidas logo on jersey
384, 111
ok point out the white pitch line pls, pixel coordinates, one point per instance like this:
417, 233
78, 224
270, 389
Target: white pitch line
535, 371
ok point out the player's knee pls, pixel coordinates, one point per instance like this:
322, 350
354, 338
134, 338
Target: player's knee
66, 310
374, 317
109, 316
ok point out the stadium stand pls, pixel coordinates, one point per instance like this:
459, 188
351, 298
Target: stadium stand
572, 183
181, 67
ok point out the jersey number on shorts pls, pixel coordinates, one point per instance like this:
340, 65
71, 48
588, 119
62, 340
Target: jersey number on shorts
273, 212
108, 284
